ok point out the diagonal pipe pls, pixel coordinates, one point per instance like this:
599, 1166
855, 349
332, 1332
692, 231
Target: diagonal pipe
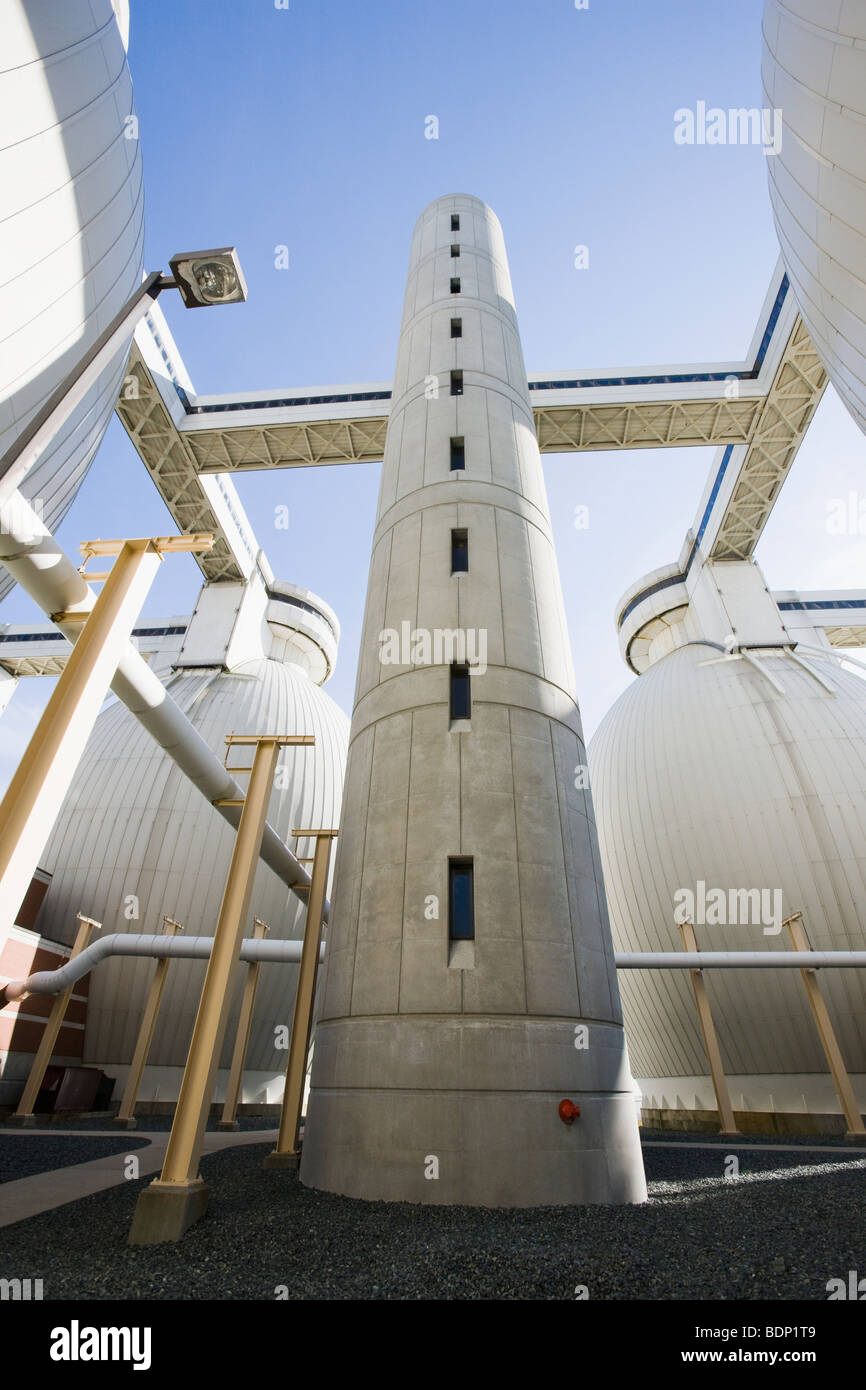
33, 557
157, 947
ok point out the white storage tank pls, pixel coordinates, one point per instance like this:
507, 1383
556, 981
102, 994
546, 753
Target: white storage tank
706, 774
135, 834
71, 222
814, 72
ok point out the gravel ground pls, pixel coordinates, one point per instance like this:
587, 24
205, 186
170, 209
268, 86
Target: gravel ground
780, 1231
37, 1153
154, 1123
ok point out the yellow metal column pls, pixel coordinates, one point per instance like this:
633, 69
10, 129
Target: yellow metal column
179, 1197
245, 1021
126, 1114
35, 794
287, 1152
53, 1024
826, 1033
711, 1043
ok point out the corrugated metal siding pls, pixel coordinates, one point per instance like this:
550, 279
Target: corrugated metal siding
705, 772
133, 824
71, 224
814, 71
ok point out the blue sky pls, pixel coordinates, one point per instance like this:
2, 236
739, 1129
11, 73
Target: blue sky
305, 127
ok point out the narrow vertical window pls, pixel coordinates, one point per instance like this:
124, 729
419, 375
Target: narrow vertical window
461, 700
456, 328
455, 285
461, 900
455, 250
458, 453
455, 222
457, 383
459, 552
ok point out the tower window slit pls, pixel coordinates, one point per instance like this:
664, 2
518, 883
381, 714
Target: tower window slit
461, 699
455, 285
461, 900
458, 453
459, 552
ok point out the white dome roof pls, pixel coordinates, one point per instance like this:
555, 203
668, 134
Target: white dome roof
133, 824
706, 773
814, 72
71, 223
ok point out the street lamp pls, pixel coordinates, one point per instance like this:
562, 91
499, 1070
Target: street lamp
202, 277
209, 277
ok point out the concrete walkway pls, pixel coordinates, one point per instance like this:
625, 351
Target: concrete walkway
25, 1197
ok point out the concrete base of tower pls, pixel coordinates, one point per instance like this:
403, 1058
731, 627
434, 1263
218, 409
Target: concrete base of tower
465, 1111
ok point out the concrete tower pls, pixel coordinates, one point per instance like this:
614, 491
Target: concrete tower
469, 938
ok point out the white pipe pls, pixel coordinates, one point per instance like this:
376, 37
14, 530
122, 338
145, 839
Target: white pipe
18, 460
738, 960
33, 558
816, 675
831, 654
253, 949
158, 947
762, 670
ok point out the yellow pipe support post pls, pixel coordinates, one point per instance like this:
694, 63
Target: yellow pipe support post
287, 1152
711, 1042
43, 777
245, 1021
24, 1114
826, 1033
179, 1197
126, 1114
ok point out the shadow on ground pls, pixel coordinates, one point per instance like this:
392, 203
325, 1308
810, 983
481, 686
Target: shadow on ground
780, 1230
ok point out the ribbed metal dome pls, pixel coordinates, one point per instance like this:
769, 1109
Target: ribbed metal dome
71, 223
705, 772
132, 824
814, 72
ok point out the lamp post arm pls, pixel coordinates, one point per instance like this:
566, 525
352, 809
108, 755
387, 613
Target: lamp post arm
20, 458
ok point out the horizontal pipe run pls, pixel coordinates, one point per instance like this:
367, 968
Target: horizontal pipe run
157, 947
252, 949
738, 960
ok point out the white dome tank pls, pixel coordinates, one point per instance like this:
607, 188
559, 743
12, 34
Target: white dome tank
706, 774
814, 72
71, 222
133, 825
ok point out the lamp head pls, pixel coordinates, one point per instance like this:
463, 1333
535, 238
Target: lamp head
209, 277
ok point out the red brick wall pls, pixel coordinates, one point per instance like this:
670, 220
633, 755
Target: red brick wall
20, 1030
32, 902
